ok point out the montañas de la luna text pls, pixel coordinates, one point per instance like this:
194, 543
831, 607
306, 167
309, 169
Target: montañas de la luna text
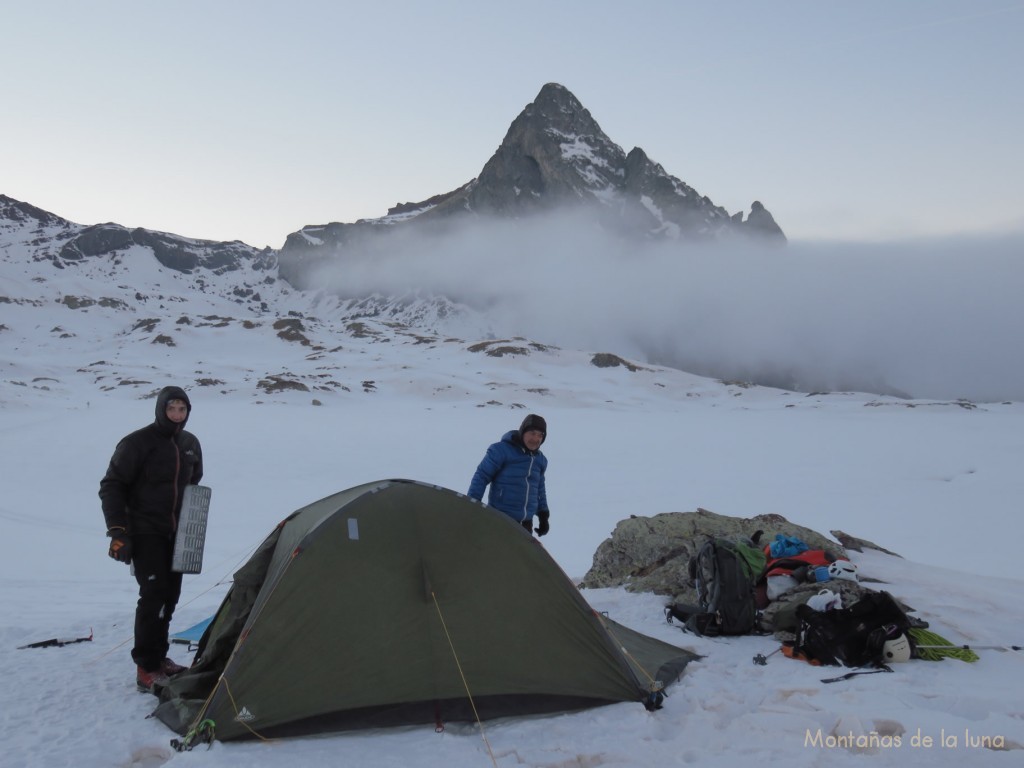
874, 740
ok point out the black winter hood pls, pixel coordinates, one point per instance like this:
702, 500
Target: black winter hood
535, 422
166, 395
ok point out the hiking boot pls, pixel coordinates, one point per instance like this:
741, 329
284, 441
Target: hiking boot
150, 681
170, 668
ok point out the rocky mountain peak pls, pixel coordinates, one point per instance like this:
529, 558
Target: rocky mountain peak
555, 152
553, 156
557, 108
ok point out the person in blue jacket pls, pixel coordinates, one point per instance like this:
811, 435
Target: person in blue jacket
514, 468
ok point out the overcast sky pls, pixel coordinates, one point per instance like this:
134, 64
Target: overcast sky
871, 121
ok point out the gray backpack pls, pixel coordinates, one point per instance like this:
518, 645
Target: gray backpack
724, 574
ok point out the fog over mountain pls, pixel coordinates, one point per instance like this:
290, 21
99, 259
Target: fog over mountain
921, 319
566, 239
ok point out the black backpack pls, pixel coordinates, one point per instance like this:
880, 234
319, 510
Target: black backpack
724, 573
854, 636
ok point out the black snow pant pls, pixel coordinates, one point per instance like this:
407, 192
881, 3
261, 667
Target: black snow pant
159, 590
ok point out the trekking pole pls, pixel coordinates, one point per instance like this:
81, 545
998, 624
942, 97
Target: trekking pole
849, 675
762, 660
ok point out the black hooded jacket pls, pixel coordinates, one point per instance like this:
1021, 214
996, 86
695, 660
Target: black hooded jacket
145, 481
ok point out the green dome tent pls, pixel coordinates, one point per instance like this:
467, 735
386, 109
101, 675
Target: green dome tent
398, 602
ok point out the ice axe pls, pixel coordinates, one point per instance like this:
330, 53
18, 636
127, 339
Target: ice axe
762, 660
58, 642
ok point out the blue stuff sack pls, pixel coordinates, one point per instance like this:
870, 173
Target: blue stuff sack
786, 546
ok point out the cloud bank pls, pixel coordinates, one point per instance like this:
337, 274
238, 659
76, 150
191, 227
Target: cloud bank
924, 319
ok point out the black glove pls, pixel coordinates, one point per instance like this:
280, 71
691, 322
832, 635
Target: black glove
527, 524
120, 545
543, 527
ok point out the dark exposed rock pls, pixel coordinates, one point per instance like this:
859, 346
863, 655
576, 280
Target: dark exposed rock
553, 154
859, 545
77, 302
507, 350
428, 203
178, 254
608, 360
291, 329
96, 241
174, 252
279, 383
502, 347
148, 324
360, 330
761, 224
24, 213
682, 212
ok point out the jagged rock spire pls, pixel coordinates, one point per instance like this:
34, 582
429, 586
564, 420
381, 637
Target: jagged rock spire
553, 156
761, 223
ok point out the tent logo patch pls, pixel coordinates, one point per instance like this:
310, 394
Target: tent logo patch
244, 715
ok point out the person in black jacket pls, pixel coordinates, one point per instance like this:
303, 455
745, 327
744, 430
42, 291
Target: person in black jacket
141, 494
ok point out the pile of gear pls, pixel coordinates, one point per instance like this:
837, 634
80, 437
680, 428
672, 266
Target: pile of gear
810, 599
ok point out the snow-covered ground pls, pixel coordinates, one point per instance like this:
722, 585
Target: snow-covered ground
935, 484
938, 482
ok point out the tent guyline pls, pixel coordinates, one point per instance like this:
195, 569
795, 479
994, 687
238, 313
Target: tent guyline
655, 687
465, 683
356, 634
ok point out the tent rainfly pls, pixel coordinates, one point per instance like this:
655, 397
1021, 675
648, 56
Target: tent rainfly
398, 602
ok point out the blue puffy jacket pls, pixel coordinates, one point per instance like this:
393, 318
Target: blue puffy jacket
516, 477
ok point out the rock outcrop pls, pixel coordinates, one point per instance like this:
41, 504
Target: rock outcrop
652, 554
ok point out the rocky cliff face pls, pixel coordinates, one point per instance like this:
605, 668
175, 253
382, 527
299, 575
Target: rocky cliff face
554, 157
554, 154
63, 242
